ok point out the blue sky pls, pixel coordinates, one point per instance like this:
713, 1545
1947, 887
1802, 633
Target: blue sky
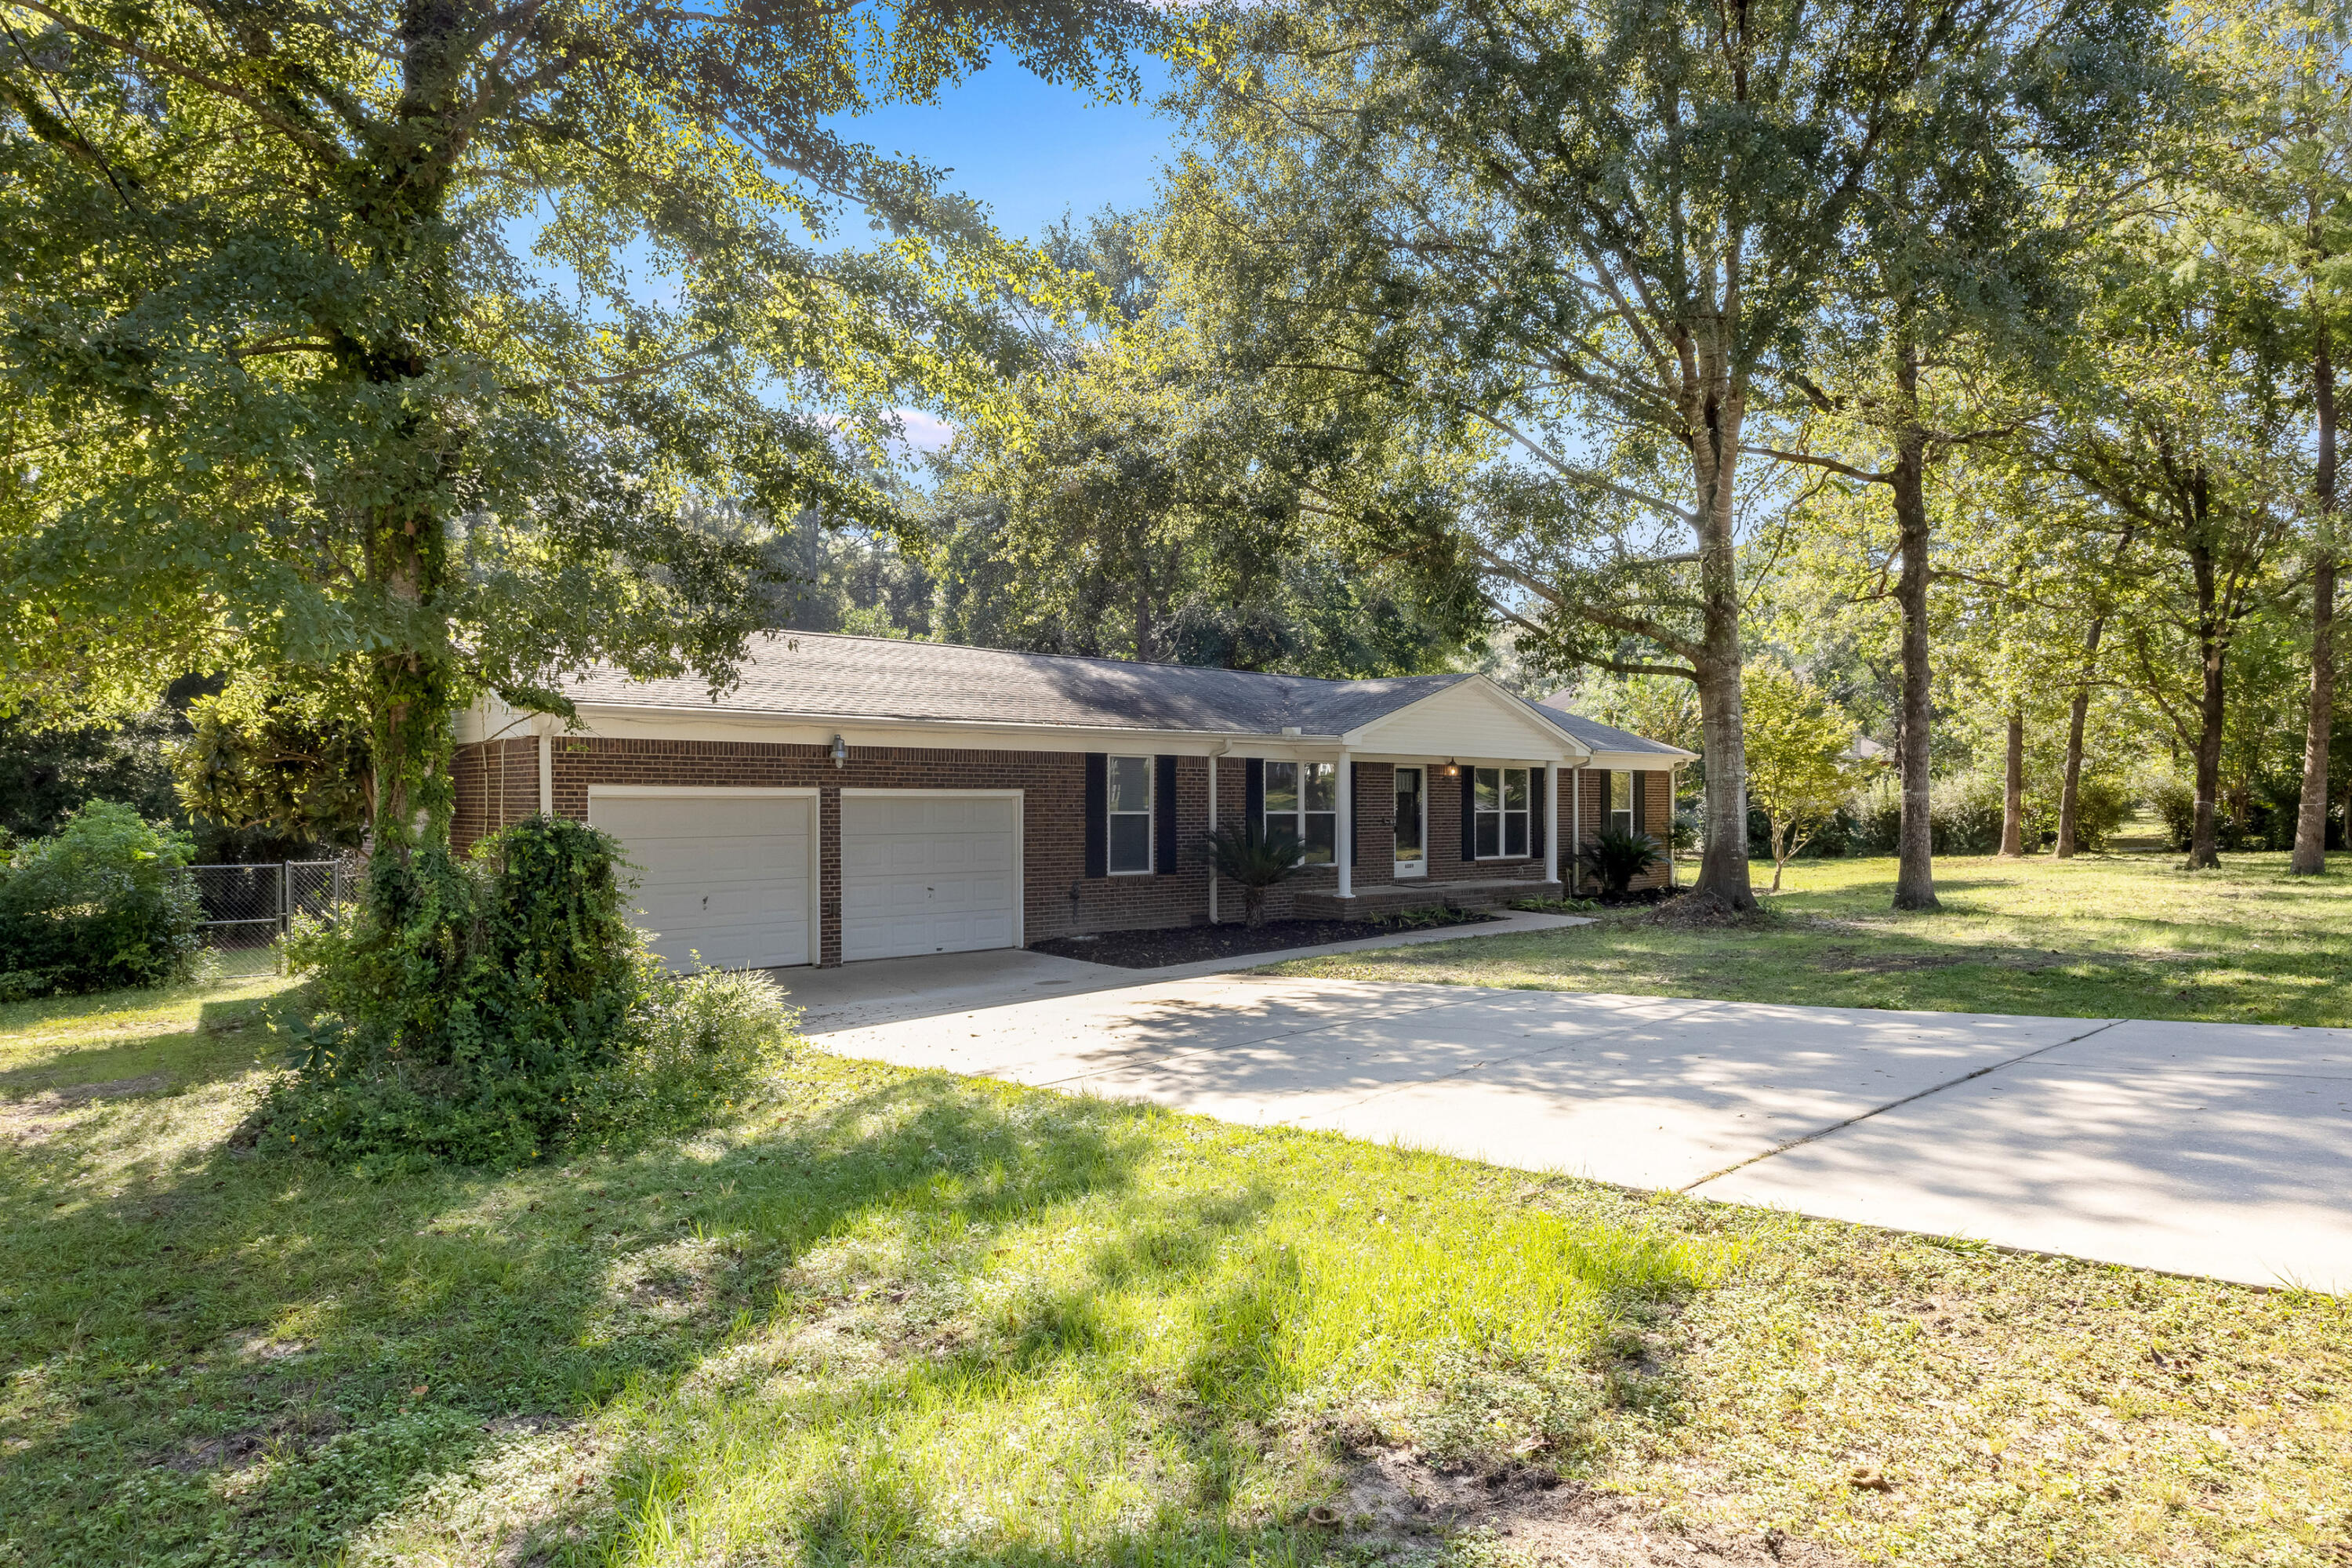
1030, 151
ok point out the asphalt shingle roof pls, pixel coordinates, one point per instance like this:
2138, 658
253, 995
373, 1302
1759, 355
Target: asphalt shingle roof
822, 675
1599, 736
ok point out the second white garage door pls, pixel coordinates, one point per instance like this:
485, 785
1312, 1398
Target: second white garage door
928, 873
722, 878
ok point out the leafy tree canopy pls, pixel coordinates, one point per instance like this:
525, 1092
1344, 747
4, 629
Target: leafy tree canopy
412, 335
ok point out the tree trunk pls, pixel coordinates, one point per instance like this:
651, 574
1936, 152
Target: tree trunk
2012, 793
1915, 874
2310, 856
1712, 410
2212, 647
2070, 790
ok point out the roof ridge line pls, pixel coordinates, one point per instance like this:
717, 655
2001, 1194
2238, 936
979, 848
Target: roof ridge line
1108, 658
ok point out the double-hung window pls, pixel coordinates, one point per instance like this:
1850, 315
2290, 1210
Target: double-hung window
1620, 801
1302, 800
1130, 814
1501, 809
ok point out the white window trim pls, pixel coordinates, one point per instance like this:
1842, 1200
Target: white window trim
1610, 818
1299, 813
1502, 816
1150, 815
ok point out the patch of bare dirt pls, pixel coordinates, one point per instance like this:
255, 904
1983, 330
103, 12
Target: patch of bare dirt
300, 1430
1694, 911
1397, 1497
2030, 960
32, 1119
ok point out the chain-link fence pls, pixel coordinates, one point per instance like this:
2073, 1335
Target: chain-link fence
251, 906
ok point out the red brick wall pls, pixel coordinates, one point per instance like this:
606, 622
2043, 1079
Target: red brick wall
1060, 898
1592, 803
498, 783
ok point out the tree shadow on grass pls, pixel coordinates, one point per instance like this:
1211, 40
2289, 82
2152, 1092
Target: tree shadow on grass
227, 1036
226, 1357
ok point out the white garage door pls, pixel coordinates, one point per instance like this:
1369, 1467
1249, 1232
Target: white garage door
928, 873
721, 878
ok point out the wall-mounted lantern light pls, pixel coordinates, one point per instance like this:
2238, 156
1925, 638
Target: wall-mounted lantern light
840, 753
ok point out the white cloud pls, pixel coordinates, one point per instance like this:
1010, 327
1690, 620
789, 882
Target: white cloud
926, 432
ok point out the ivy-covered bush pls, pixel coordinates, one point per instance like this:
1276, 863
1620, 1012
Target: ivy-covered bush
501, 1009
104, 902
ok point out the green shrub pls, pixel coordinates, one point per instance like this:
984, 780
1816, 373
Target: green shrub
499, 1010
1554, 906
1429, 917
1255, 860
105, 901
1617, 857
2101, 804
1964, 813
2176, 804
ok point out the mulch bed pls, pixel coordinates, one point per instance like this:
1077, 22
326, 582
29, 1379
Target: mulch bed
1190, 944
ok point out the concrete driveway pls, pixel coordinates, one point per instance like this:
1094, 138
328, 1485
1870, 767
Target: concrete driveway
2200, 1149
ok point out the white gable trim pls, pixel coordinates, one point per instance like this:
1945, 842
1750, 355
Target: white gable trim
1472, 717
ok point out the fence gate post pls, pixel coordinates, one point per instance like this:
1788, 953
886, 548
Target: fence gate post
285, 900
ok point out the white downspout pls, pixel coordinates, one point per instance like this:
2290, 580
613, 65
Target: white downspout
1551, 838
546, 769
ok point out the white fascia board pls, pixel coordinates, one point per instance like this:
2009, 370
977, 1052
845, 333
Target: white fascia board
1546, 741
648, 720
1640, 761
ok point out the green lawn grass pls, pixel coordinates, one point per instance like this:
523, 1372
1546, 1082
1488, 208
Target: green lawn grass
2099, 936
893, 1317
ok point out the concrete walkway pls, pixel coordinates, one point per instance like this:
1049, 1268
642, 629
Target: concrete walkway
2198, 1148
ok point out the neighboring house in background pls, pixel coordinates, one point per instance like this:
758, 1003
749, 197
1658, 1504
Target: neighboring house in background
859, 797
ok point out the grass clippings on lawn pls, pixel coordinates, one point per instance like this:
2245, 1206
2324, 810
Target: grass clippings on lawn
891, 1317
2098, 936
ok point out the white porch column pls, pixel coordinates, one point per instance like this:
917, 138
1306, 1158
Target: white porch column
1551, 828
546, 767
1346, 850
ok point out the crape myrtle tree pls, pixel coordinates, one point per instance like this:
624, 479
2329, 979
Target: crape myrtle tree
1578, 244
413, 339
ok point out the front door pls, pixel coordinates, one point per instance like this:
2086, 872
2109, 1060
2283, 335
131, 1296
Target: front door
1412, 822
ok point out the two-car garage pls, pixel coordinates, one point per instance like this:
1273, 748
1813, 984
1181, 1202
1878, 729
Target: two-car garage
732, 878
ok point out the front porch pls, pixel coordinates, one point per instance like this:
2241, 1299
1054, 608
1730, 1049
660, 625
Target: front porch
1413, 893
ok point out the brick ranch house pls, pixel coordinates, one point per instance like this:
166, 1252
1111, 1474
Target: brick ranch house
859, 797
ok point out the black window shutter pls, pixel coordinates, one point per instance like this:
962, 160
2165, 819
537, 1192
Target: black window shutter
1536, 812
1163, 812
1640, 803
1254, 793
1098, 814
1469, 777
